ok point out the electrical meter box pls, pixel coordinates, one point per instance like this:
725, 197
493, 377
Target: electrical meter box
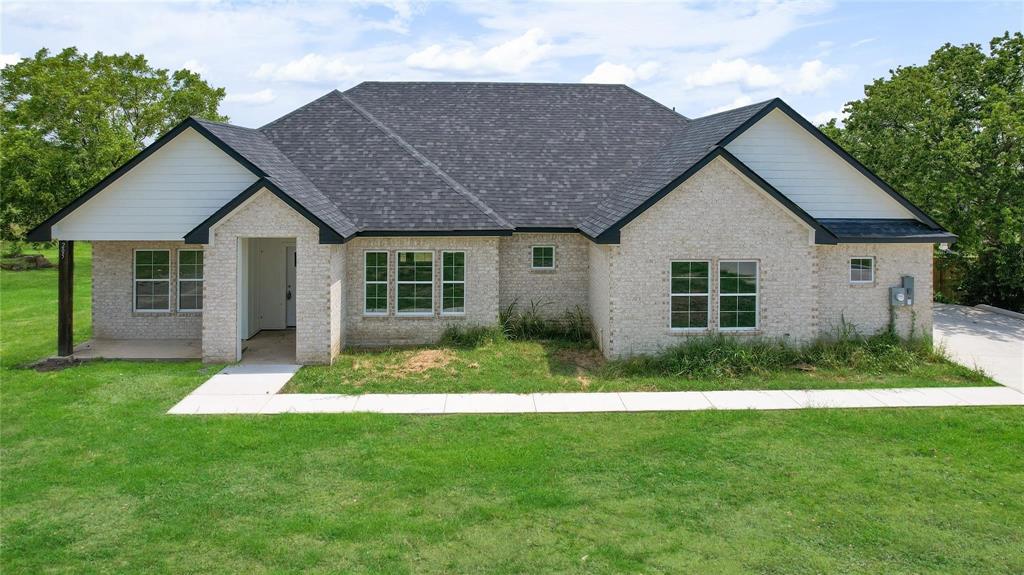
897, 296
903, 295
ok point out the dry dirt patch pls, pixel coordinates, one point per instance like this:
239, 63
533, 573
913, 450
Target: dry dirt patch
422, 361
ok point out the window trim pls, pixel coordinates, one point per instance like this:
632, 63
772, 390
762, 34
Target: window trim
756, 294
465, 258
532, 257
433, 277
177, 285
135, 281
849, 270
386, 282
671, 294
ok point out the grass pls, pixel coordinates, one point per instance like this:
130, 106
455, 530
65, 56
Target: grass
97, 479
482, 360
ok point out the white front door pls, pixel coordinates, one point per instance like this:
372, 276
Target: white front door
289, 267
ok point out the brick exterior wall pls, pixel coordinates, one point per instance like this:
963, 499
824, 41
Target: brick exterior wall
557, 290
264, 215
716, 214
598, 294
481, 290
112, 291
804, 289
866, 306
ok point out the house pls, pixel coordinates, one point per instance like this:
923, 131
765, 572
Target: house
385, 213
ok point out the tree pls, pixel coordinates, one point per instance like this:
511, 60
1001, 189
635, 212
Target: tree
70, 119
950, 136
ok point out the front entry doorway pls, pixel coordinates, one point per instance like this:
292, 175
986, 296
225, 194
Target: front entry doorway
267, 296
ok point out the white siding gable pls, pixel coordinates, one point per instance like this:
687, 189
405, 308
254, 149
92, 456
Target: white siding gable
809, 173
161, 198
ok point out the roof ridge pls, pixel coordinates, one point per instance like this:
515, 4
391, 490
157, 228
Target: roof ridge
731, 110
652, 100
296, 110
412, 151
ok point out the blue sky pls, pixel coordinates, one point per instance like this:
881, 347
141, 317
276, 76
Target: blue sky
699, 57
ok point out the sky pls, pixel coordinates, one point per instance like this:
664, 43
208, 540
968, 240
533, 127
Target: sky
699, 57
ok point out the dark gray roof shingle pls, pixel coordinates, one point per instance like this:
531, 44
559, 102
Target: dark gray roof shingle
867, 229
541, 155
486, 157
687, 146
255, 147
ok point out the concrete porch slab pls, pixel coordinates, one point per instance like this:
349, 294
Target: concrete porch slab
248, 379
173, 349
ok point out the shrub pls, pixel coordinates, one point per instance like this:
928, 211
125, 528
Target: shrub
574, 325
473, 336
725, 357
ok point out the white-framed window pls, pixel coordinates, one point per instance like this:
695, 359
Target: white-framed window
453, 283
151, 285
414, 292
375, 283
543, 258
190, 280
690, 292
737, 295
862, 270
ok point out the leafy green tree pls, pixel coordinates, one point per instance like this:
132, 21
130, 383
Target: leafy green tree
950, 136
69, 119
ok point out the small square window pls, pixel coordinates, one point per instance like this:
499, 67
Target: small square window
862, 270
543, 257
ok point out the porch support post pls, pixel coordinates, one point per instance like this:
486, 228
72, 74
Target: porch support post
65, 297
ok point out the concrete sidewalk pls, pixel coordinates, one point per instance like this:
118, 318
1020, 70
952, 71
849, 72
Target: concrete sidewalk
234, 398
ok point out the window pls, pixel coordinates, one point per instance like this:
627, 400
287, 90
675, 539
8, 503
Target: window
375, 277
689, 295
862, 270
190, 280
737, 284
152, 280
415, 283
543, 258
453, 282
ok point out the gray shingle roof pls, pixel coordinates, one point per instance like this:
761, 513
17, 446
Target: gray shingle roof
864, 229
258, 149
687, 146
489, 157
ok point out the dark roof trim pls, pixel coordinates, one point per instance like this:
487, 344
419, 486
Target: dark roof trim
778, 104
938, 238
201, 233
43, 232
431, 233
821, 235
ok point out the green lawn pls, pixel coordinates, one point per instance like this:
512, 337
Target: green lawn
96, 479
536, 366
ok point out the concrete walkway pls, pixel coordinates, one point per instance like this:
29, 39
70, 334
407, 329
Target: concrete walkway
974, 337
237, 393
983, 339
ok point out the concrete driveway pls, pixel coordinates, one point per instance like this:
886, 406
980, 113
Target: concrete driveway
984, 339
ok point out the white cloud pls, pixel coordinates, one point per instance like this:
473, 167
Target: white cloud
737, 71
11, 58
861, 42
194, 65
313, 68
737, 102
824, 117
609, 73
264, 96
515, 55
814, 76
